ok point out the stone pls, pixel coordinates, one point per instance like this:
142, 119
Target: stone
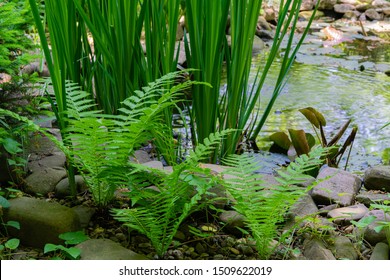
345, 215
368, 198
182, 59
44, 180
307, 5
306, 15
326, 4
343, 8
40, 221
258, 45
380, 252
344, 249
377, 178
84, 213
350, 2
363, 7
232, 219
140, 156
380, 3
154, 164
263, 24
105, 249
304, 207
315, 249
42, 145
62, 189
373, 14
370, 235
57, 159
336, 186
269, 14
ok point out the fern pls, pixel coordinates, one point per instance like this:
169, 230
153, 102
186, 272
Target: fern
180, 193
265, 207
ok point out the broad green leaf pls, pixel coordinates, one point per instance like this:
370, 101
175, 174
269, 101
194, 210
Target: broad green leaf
281, 139
13, 224
73, 238
4, 202
310, 140
313, 116
364, 222
73, 252
299, 141
50, 248
1, 247
11, 146
12, 244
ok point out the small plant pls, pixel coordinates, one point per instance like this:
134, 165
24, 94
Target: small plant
383, 225
263, 206
300, 142
67, 252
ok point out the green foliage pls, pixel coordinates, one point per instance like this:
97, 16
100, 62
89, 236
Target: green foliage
265, 206
179, 193
13, 42
302, 142
63, 252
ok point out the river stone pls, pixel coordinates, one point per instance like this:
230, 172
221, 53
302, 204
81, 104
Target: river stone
105, 249
154, 164
85, 214
140, 156
62, 189
269, 14
304, 207
368, 198
345, 215
335, 186
41, 145
380, 252
307, 5
344, 249
57, 159
315, 249
40, 221
373, 14
326, 4
258, 45
370, 234
380, 3
44, 180
377, 178
343, 8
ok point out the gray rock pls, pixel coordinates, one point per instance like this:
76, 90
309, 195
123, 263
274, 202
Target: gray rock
343, 8
368, 198
304, 207
344, 249
345, 215
307, 5
58, 159
377, 178
380, 3
40, 222
44, 180
105, 249
154, 164
42, 145
258, 45
326, 4
315, 249
232, 219
373, 14
336, 186
370, 235
380, 252
62, 189
140, 156
84, 213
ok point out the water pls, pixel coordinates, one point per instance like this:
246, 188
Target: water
342, 83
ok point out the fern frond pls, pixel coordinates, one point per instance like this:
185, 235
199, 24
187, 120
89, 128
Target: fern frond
265, 206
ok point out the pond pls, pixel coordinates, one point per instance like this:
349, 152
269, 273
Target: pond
344, 81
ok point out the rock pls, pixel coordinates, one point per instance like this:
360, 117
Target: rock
41, 145
263, 24
57, 159
84, 213
326, 4
199, 248
363, 7
154, 164
343, 8
62, 189
140, 156
380, 3
232, 219
368, 198
344, 249
380, 252
182, 53
258, 45
307, 5
336, 186
44, 180
347, 214
40, 222
304, 207
370, 235
315, 249
5, 78
377, 178
306, 15
350, 2
269, 14
373, 14
179, 32
105, 249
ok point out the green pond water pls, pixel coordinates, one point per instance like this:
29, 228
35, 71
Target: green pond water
345, 81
